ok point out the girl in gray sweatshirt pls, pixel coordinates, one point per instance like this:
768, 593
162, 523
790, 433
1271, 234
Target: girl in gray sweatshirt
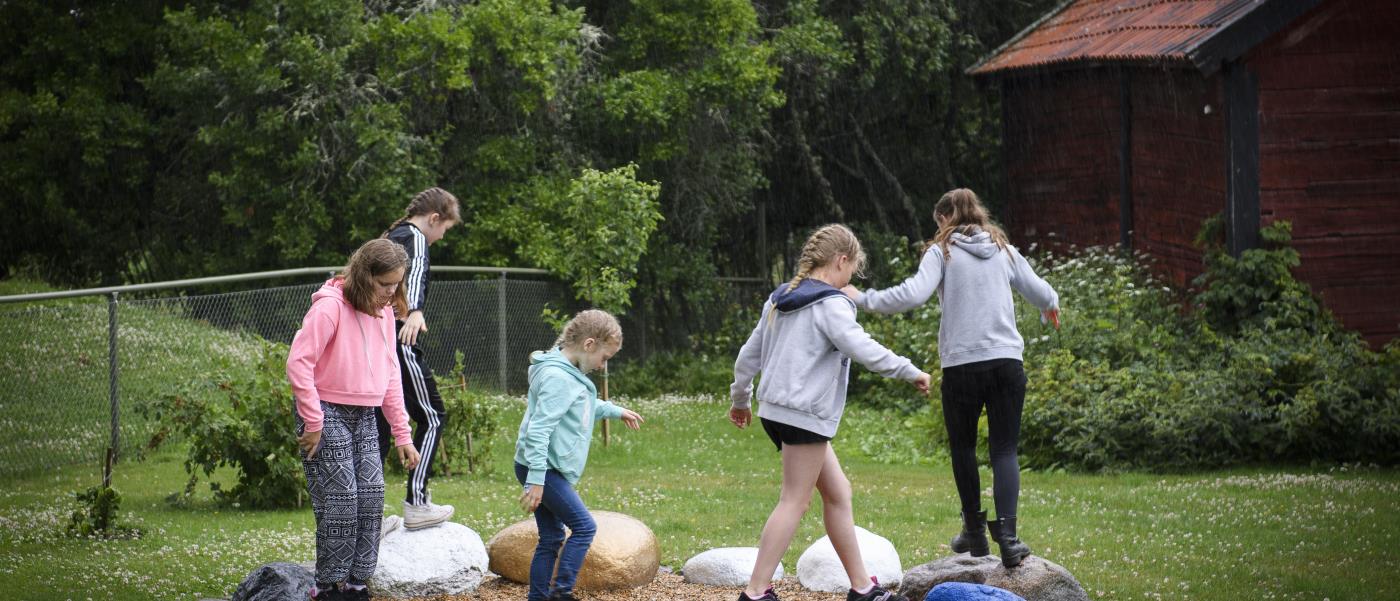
973, 269
803, 344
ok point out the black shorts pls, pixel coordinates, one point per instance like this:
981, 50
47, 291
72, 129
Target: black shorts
782, 434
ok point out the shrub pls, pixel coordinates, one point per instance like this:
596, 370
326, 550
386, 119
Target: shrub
96, 515
1254, 370
472, 423
242, 419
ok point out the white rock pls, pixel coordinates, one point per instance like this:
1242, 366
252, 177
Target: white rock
818, 569
448, 559
728, 566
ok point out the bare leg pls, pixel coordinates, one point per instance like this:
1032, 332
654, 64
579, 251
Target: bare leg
840, 519
802, 464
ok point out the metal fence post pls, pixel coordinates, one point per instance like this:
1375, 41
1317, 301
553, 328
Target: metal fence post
501, 329
112, 390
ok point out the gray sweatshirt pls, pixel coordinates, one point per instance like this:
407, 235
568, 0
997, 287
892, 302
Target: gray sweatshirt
974, 286
804, 348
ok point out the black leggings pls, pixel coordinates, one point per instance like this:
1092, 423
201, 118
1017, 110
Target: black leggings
1000, 384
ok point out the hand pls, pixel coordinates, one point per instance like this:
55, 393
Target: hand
922, 382
530, 499
310, 443
632, 419
412, 326
740, 417
850, 292
408, 456
1052, 315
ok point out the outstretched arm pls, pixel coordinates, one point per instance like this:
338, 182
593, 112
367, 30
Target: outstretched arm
837, 321
911, 292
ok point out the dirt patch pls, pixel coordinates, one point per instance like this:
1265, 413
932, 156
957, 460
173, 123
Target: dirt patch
666, 587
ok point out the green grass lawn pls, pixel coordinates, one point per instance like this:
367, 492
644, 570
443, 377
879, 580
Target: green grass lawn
1270, 533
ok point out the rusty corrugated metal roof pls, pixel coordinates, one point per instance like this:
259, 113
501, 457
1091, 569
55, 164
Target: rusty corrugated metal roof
1154, 31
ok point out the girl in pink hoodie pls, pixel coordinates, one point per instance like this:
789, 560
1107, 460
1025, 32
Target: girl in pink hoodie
341, 366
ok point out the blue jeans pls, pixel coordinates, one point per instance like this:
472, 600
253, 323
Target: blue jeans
560, 507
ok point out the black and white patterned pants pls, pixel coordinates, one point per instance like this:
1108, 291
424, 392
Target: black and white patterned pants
346, 480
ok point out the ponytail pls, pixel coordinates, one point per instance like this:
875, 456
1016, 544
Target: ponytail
427, 202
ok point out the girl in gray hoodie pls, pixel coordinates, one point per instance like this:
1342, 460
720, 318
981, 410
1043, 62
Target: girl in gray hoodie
803, 344
973, 269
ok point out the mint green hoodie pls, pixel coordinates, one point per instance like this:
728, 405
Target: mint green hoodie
558, 423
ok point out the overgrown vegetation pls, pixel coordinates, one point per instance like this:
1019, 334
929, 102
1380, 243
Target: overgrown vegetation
1255, 371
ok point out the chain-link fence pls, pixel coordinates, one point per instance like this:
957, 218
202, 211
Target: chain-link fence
56, 387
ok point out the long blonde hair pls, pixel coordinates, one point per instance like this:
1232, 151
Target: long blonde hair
427, 202
376, 257
962, 211
590, 323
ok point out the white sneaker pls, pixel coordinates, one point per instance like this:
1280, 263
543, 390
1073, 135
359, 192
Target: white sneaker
426, 514
389, 524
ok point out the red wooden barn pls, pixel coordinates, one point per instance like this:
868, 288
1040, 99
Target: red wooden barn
1131, 121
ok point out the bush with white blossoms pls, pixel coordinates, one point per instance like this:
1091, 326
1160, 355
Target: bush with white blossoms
1245, 367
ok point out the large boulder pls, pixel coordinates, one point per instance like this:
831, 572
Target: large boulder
729, 566
279, 581
447, 559
624, 554
1036, 579
818, 569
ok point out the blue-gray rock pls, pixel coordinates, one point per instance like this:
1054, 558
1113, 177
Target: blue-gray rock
1036, 579
965, 591
279, 581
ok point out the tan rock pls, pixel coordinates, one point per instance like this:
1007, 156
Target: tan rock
624, 554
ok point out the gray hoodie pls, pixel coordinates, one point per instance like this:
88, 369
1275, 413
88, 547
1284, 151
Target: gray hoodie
974, 286
804, 348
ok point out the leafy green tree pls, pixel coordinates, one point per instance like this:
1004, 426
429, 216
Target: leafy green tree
594, 234
685, 93
76, 164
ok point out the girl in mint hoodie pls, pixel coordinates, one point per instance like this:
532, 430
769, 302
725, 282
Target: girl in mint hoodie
341, 366
552, 446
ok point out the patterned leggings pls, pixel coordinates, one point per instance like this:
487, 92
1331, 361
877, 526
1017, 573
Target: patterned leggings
346, 480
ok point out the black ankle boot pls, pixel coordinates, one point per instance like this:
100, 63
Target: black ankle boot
1012, 550
973, 538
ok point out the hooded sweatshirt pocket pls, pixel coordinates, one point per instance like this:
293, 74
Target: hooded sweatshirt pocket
814, 391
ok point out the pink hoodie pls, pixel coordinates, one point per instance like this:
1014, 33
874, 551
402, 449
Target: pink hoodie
332, 361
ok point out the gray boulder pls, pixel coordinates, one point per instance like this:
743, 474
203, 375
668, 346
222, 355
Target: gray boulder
1036, 579
279, 581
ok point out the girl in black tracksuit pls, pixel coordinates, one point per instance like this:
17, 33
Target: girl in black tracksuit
428, 217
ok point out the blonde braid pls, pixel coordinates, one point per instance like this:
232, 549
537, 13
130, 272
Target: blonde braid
822, 247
